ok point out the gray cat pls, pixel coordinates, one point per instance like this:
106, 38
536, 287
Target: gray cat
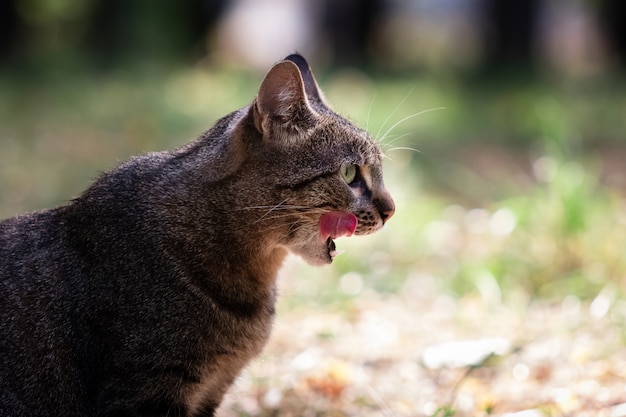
146, 295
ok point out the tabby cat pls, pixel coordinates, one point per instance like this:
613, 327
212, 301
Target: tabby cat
147, 294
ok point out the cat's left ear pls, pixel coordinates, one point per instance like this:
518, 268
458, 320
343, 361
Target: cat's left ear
281, 108
311, 87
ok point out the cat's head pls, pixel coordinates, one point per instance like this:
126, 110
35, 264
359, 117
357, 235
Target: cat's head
326, 172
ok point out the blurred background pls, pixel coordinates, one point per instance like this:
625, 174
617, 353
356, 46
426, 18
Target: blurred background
503, 122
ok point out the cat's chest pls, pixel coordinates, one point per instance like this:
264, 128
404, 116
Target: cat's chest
214, 383
218, 373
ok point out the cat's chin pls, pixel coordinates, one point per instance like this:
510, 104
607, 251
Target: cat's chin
318, 252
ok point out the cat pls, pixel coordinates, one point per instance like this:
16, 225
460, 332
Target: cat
148, 293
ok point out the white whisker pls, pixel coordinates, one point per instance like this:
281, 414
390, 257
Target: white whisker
405, 148
271, 210
402, 148
395, 110
279, 206
395, 139
369, 113
293, 228
293, 211
404, 119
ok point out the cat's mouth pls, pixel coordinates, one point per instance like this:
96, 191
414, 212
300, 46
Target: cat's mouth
332, 249
333, 225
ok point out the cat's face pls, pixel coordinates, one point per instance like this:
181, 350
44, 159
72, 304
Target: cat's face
345, 196
330, 172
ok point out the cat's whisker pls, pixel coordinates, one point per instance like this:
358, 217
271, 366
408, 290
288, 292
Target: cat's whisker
270, 211
297, 225
404, 119
283, 215
302, 219
296, 212
293, 228
299, 209
279, 206
276, 227
395, 139
401, 148
275, 217
369, 112
394, 111
405, 148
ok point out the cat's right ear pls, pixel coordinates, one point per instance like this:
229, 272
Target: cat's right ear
281, 108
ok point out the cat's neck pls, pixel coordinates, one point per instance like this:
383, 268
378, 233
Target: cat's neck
242, 277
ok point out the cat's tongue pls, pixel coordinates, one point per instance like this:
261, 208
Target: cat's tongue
336, 224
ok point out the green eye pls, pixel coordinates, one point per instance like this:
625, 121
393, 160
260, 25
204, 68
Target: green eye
348, 172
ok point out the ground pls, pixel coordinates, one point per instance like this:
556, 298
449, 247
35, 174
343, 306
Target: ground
392, 356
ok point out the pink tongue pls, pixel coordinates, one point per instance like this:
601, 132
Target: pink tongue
335, 224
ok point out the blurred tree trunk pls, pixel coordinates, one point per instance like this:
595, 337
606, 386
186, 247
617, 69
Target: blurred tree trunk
613, 16
349, 26
511, 27
8, 30
121, 30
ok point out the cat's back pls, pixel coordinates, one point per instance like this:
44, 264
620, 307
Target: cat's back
34, 249
30, 255
37, 335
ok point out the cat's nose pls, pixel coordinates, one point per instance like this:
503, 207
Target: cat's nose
385, 205
387, 214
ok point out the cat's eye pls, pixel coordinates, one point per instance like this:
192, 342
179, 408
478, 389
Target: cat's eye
348, 172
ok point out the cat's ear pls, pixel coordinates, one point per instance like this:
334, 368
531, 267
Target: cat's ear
311, 87
281, 108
